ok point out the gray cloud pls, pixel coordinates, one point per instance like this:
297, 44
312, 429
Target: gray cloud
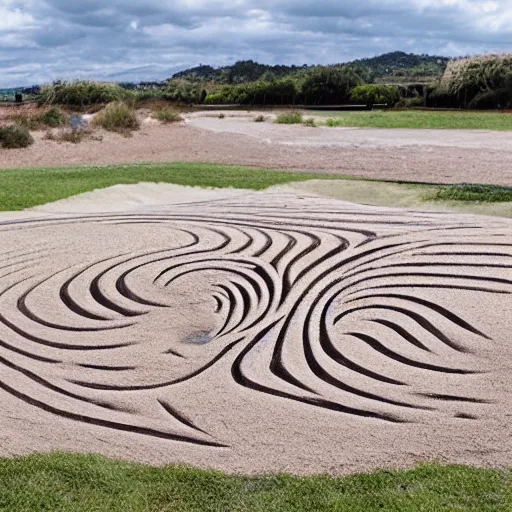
43, 40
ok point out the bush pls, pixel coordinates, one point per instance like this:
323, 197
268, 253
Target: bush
289, 118
328, 85
49, 119
15, 137
477, 82
52, 118
372, 94
489, 100
414, 102
73, 136
184, 91
117, 117
473, 192
167, 116
82, 93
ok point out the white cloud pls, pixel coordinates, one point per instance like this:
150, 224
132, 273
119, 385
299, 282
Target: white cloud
153, 38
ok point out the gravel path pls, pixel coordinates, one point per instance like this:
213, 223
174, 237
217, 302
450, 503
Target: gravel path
405, 155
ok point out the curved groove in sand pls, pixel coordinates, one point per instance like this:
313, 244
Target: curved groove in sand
321, 308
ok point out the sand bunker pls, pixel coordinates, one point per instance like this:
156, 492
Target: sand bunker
266, 332
140, 195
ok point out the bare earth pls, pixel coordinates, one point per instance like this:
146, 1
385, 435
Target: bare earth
434, 156
258, 332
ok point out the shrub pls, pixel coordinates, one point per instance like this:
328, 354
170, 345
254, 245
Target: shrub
184, 91
260, 119
15, 137
167, 116
414, 102
73, 136
293, 117
479, 82
117, 117
53, 117
82, 93
473, 192
50, 118
309, 122
329, 85
372, 94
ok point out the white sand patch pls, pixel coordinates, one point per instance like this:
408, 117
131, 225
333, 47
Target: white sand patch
258, 332
140, 195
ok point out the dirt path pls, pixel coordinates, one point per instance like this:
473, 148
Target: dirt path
383, 154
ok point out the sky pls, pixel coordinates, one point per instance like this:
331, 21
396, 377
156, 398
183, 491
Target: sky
133, 40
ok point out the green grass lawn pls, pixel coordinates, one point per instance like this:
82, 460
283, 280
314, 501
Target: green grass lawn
471, 193
20, 189
420, 119
88, 483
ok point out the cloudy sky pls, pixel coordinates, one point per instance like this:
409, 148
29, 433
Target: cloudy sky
43, 40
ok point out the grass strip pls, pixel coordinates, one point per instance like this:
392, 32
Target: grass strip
419, 119
67, 482
25, 188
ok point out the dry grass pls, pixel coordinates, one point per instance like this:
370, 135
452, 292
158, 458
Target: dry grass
167, 115
117, 117
12, 137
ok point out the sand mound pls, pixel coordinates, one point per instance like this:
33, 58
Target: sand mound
266, 332
126, 197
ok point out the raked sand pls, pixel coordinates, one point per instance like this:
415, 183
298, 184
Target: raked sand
257, 332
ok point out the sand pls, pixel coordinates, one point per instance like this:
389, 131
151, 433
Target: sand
259, 332
432, 156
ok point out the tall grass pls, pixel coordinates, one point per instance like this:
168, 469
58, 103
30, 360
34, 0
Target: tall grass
83, 93
167, 115
480, 81
293, 117
117, 117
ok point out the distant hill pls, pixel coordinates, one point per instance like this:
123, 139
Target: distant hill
400, 64
243, 71
395, 66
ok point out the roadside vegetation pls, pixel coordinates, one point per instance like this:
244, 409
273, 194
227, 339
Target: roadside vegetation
83, 483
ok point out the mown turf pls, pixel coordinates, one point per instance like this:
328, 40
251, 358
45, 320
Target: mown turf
422, 119
473, 193
20, 189
88, 483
